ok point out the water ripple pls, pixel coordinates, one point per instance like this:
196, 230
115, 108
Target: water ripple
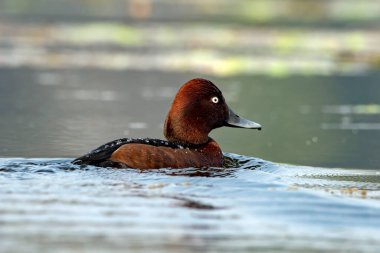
251, 205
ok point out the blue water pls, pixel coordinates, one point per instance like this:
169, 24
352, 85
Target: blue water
50, 205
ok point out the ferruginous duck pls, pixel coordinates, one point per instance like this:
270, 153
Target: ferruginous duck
197, 109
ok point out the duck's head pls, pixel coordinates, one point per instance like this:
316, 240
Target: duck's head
198, 108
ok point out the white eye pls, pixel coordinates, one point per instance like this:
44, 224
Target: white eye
215, 100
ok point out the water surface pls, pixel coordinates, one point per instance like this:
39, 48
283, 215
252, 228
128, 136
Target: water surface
52, 205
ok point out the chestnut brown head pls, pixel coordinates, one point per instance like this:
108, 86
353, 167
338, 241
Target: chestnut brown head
198, 108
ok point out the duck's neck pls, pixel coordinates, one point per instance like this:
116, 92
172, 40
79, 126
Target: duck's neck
177, 129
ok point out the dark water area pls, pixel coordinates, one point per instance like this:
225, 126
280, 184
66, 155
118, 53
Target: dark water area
77, 74
315, 121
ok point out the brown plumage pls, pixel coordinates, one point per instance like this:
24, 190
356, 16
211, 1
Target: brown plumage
197, 109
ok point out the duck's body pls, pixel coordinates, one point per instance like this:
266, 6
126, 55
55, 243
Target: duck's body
153, 153
198, 108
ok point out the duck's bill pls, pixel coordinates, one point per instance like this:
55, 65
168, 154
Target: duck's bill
235, 120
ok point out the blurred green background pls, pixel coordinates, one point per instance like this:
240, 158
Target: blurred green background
75, 74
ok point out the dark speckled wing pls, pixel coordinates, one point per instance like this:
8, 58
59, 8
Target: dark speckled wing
100, 155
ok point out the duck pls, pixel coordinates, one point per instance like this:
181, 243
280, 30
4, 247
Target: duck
198, 108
